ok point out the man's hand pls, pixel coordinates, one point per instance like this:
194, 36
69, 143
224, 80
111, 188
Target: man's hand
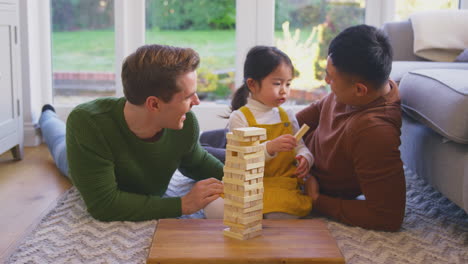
312, 188
282, 143
303, 167
202, 193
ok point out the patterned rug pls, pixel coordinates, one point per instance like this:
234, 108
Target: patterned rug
434, 231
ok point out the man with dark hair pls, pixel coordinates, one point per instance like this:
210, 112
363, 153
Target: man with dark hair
122, 152
355, 135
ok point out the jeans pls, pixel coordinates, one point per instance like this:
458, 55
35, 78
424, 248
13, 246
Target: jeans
53, 130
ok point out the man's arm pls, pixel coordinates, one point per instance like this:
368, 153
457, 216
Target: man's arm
197, 163
310, 116
379, 169
92, 171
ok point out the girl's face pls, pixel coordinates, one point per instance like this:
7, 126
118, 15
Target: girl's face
273, 89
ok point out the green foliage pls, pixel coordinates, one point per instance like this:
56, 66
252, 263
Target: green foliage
304, 55
225, 85
339, 17
190, 14
207, 80
71, 15
330, 16
214, 85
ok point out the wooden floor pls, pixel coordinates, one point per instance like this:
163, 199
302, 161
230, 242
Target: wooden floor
28, 190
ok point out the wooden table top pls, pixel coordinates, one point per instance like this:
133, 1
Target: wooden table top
282, 241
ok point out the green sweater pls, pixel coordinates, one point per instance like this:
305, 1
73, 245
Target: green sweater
122, 177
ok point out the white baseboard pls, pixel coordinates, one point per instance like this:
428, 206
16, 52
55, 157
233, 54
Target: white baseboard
32, 135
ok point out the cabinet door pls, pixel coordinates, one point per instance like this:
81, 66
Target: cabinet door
10, 119
7, 113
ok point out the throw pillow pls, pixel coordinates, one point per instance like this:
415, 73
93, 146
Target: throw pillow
463, 57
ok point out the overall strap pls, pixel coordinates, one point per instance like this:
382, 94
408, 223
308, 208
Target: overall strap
283, 115
248, 115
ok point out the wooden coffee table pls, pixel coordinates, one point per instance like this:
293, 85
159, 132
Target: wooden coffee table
282, 241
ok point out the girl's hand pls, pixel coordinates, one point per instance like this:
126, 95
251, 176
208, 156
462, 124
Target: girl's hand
303, 167
282, 143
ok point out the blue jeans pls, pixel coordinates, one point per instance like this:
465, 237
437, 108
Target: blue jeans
53, 130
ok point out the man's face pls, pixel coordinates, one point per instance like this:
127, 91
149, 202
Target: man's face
173, 112
340, 83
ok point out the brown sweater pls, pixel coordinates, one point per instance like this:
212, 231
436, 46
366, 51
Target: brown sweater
356, 152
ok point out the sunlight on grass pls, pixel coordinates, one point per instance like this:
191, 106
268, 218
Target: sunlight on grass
94, 50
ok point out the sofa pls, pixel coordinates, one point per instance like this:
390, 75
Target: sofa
434, 134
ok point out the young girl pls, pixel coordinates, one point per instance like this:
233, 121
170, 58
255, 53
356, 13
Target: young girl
268, 73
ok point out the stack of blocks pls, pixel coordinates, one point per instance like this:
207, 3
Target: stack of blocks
243, 183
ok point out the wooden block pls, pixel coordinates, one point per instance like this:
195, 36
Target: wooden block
244, 205
244, 156
248, 149
232, 181
230, 234
227, 223
245, 193
250, 159
244, 165
243, 220
244, 199
242, 144
235, 216
245, 231
231, 136
301, 132
243, 174
253, 176
244, 210
248, 156
249, 131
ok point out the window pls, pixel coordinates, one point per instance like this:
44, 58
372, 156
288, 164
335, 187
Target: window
304, 29
404, 8
206, 26
82, 50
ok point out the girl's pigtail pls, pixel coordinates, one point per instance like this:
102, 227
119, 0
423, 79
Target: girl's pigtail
240, 97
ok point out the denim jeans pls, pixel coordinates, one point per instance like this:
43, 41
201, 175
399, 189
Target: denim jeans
53, 130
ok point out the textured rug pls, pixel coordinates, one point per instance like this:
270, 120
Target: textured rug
434, 231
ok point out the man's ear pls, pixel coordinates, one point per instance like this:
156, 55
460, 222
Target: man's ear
361, 89
153, 103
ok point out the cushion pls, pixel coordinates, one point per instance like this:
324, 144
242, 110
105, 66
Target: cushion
463, 57
439, 99
400, 68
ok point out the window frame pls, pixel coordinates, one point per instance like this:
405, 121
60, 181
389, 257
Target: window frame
254, 26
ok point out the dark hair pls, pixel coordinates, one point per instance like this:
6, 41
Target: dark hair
259, 63
152, 70
363, 51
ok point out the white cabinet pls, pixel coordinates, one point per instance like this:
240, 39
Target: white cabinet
11, 119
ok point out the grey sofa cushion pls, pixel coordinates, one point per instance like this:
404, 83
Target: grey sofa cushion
463, 57
439, 99
400, 68
400, 35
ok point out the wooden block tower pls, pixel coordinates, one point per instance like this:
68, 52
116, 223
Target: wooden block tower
243, 183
